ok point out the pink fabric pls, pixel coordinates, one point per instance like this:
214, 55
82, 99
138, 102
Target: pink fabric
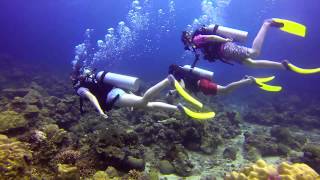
199, 40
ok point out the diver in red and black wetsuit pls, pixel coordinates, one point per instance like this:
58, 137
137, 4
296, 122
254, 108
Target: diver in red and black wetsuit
195, 83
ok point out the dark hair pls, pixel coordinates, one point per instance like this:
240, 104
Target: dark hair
186, 38
173, 68
75, 75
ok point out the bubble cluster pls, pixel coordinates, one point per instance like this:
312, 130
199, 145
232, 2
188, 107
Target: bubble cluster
83, 51
212, 12
137, 30
117, 40
137, 17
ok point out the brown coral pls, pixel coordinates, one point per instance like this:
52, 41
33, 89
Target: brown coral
67, 157
14, 158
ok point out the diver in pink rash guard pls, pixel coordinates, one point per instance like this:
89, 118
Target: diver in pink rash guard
213, 45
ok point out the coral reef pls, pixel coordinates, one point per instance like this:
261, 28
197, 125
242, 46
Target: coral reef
283, 111
280, 141
166, 167
14, 159
55, 142
67, 157
263, 171
11, 120
230, 153
67, 172
311, 156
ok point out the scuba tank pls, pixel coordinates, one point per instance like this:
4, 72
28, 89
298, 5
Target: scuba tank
200, 72
234, 34
118, 80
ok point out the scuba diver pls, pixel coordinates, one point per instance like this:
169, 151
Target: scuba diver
218, 42
105, 90
200, 80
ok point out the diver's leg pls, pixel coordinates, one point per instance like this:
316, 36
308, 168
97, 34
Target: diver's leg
130, 100
156, 89
259, 39
263, 64
234, 85
162, 105
85, 93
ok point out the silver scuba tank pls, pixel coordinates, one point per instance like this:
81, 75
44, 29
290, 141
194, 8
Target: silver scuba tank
234, 34
200, 72
120, 81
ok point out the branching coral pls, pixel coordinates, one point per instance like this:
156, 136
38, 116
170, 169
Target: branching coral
67, 157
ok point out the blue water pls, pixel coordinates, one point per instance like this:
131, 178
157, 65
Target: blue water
44, 32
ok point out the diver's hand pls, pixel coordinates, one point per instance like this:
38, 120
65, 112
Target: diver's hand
104, 115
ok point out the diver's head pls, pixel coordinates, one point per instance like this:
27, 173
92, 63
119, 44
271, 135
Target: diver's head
186, 38
87, 71
173, 68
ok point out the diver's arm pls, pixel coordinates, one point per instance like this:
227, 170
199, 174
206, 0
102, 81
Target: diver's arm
215, 38
95, 102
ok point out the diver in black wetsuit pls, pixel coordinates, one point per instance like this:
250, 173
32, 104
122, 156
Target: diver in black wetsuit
104, 96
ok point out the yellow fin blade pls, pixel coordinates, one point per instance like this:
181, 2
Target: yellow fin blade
264, 80
197, 115
269, 88
292, 27
187, 96
303, 71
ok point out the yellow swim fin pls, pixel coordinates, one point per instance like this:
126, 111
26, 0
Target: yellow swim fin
265, 80
269, 88
187, 96
303, 71
198, 115
292, 27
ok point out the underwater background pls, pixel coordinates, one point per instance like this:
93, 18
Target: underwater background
39, 41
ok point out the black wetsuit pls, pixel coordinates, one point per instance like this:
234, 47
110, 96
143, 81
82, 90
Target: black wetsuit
99, 89
190, 79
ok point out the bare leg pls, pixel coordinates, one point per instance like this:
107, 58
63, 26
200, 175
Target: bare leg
131, 100
263, 64
161, 105
233, 86
85, 93
155, 90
